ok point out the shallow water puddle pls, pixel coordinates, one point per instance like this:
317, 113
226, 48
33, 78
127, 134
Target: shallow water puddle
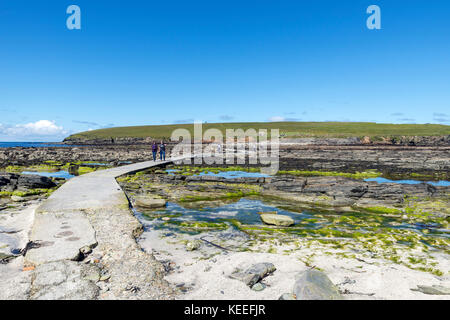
234, 174
442, 183
225, 174
58, 174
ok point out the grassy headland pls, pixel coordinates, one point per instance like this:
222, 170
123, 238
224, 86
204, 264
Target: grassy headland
287, 129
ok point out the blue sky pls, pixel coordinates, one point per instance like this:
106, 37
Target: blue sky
160, 62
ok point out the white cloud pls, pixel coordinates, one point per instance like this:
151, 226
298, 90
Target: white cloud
38, 128
276, 119
33, 131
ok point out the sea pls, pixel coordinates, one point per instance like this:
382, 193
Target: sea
32, 144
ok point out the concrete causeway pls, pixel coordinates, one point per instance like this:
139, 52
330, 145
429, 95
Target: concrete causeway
89, 211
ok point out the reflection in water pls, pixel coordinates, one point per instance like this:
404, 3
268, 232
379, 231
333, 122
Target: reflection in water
225, 174
58, 174
442, 183
234, 174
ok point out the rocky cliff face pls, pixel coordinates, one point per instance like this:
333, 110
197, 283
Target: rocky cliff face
108, 141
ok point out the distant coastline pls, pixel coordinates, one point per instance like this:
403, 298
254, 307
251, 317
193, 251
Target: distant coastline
31, 144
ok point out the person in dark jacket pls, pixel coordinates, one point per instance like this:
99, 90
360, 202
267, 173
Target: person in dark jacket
162, 151
154, 150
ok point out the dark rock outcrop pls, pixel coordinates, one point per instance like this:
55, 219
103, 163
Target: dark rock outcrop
12, 181
34, 182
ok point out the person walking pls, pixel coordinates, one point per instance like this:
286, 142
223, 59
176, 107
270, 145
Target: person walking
162, 151
154, 150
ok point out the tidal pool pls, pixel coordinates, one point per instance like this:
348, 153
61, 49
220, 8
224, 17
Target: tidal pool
234, 174
442, 183
57, 174
244, 213
225, 174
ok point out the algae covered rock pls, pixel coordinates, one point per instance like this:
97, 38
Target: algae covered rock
277, 219
193, 245
17, 198
148, 202
315, 285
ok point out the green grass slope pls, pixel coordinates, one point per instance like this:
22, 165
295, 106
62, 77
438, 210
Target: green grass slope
287, 129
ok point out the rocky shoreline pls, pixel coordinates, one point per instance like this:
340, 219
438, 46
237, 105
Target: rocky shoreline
326, 181
391, 161
332, 193
351, 205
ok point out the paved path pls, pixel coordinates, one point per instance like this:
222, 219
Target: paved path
87, 211
61, 228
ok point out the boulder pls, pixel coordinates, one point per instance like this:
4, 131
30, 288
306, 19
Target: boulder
258, 286
4, 180
315, 285
433, 290
277, 219
149, 202
193, 245
34, 182
254, 274
8, 181
248, 279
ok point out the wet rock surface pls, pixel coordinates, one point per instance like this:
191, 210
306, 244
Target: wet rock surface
148, 202
334, 193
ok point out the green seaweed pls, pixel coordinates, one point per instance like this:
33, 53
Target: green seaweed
356, 175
